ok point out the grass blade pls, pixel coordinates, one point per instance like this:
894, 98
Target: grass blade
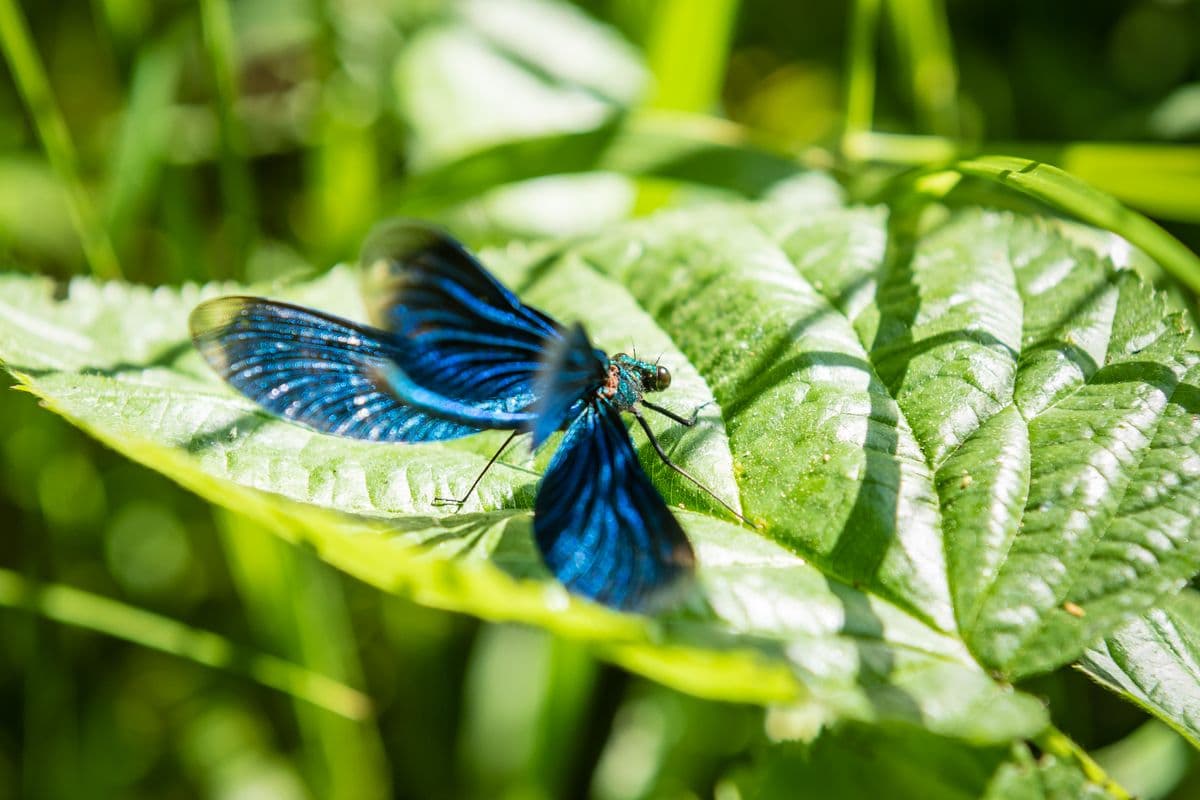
237, 188
144, 134
104, 615
522, 741
30, 77
1043, 182
1163, 180
922, 36
1160, 179
1063, 191
1151, 761
296, 607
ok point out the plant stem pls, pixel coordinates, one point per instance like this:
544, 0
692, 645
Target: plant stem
1058, 744
30, 77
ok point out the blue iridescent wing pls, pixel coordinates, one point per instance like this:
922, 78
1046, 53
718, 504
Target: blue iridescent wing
313, 368
601, 526
572, 372
461, 333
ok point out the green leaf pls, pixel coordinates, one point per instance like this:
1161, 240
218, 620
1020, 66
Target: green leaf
506, 70
852, 761
1092, 372
1050, 777
685, 148
1154, 661
502, 91
961, 445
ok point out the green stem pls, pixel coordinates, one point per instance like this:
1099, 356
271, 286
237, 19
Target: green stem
30, 77
101, 614
687, 51
1060, 745
891, 148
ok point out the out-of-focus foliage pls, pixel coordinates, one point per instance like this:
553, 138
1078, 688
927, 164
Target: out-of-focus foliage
258, 139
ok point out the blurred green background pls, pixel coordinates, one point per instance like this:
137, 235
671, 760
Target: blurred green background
168, 141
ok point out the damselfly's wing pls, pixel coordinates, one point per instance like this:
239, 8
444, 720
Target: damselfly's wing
570, 374
313, 368
602, 528
461, 334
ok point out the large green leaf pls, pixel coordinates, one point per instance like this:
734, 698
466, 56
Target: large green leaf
1052, 398
960, 450
1154, 660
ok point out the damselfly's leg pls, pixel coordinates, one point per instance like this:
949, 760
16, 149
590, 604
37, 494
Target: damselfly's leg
451, 501
671, 415
666, 459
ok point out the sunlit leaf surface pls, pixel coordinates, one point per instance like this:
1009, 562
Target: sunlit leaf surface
1154, 661
967, 451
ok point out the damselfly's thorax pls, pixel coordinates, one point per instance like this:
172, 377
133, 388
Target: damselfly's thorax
629, 378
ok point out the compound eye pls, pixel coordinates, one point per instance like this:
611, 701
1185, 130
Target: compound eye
662, 379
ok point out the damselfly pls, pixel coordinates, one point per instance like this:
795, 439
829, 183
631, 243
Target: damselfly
453, 352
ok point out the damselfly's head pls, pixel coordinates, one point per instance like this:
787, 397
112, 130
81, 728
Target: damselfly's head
649, 376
